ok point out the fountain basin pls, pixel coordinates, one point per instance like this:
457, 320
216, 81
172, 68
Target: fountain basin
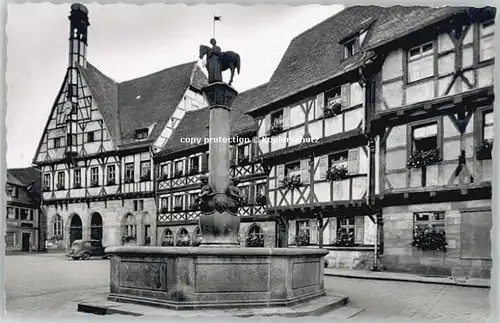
197, 277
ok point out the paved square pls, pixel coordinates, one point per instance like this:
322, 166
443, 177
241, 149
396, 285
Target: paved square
51, 284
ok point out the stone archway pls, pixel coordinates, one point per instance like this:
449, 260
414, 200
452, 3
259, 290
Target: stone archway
75, 229
96, 226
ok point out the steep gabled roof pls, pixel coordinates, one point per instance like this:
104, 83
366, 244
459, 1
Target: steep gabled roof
144, 102
195, 123
23, 176
314, 56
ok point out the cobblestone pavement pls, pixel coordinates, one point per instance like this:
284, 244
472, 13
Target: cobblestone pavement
50, 284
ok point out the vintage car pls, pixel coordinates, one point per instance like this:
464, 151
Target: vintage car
84, 249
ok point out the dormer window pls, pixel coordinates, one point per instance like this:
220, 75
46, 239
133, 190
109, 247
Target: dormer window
350, 47
141, 134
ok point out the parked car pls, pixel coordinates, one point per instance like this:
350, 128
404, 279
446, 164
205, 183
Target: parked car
84, 249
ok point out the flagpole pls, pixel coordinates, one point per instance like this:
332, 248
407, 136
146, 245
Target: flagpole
213, 27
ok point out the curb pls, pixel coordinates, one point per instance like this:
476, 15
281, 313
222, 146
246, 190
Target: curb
423, 280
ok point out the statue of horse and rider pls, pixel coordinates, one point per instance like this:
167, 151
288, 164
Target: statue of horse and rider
218, 61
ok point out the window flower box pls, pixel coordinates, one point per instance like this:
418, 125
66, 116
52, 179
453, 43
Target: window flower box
302, 239
46, 189
333, 109
177, 208
276, 129
484, 150
59, 187
344, 238
426, 239
178, 174
291, 182
255, 241
111, 182
193, 207
337, 173
164, 210
261, 200
422, 158
128, 180
94, 183
77, 185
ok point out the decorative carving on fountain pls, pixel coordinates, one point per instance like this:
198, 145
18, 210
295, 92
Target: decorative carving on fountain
235, 198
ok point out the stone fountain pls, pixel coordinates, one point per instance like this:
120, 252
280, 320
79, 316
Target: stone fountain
218, 274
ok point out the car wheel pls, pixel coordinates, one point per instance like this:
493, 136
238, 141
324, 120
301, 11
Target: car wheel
86, 256
75, 258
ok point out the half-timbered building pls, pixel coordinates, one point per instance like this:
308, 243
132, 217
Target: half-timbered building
433, 135
185, 158
25, 225
96, 150
312, 134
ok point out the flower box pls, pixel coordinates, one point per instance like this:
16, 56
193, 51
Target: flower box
128, 180
276, 129
255, 241
426, 239
483, 151
261, 200
164, 210
177, 208
163, 177
291, 182
178, 174
194, 171
193, 207
77, 185
337, 173
45, 189
422, 158
344, 238
59, 187
244, 160
111, 182
94, 183
302, 239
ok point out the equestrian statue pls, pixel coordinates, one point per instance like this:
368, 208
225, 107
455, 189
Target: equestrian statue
218, 61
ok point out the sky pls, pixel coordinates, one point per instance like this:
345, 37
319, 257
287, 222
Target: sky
129, 41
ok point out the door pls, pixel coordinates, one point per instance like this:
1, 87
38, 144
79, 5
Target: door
26, 242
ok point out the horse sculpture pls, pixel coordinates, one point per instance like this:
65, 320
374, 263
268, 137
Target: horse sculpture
228, 60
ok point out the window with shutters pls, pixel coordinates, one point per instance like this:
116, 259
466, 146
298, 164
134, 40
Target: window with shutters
487, 40
420, 62
276, 122
347, 231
